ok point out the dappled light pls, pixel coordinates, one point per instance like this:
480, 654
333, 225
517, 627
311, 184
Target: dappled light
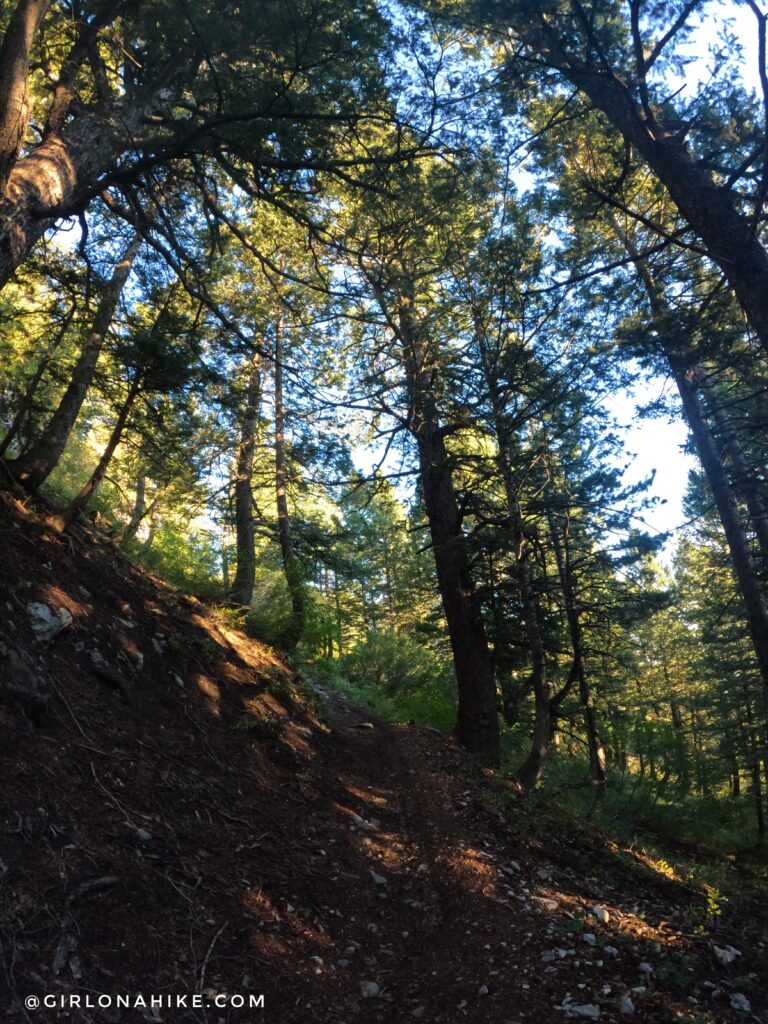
384, 511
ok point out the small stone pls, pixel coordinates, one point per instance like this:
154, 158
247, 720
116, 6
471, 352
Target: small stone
589, 938
740, 1002
726, 954
143, 835
601, 914
611, 950
482, 990
625, 1005
45, 623
645, 968
546, 903
369, 989
377, 878
587, 1010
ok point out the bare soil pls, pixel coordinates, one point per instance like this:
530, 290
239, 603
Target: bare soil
185, 817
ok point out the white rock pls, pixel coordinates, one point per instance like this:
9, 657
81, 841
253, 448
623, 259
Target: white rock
725, 954
588, 1010
546, 903
369, 989
601, 914
589, 938
611, 950
143, 835
625, 1005
45, 623
740, 1002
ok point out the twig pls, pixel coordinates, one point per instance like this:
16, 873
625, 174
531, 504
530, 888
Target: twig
204, 966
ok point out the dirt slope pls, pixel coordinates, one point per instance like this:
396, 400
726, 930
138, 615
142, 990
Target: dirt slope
177, 821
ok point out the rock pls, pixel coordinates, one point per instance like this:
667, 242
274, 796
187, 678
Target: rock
589, 938
625, 1005
725, 954
601, 914
377, 878
361, 823
369, 989
645, 968
740, 1002
143, 835
20, 686
587, 1010
546, 904
482, 990
611, 950
45, 623
64, 950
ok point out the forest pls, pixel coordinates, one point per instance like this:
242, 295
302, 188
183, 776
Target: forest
343, 320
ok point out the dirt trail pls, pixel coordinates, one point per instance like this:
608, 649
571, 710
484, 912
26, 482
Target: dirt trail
472, 926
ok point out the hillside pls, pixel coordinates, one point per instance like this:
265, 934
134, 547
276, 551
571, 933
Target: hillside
181, 816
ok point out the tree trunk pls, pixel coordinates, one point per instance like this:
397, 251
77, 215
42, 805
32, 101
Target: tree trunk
139, 509
744, 480
706, 204
291, 564
25, 405
241, 591
36, 465
594, 744
477, 726
686, 379
14, 80
80, 502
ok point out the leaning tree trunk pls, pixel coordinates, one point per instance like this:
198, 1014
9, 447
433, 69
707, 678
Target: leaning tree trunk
241, 590
477, 726
685, 375
291, 564
14, 79
33, 467
706, 204
745, 480
80, 502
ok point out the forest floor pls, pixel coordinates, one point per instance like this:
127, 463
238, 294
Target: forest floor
181, 819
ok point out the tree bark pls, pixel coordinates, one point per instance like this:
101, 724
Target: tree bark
532, 769
291, 564
25, 405
686, 378
80, 502
241, 591
139, 509
32, 468
744, 480
477, 726
594, 744
14, 80
707, 205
